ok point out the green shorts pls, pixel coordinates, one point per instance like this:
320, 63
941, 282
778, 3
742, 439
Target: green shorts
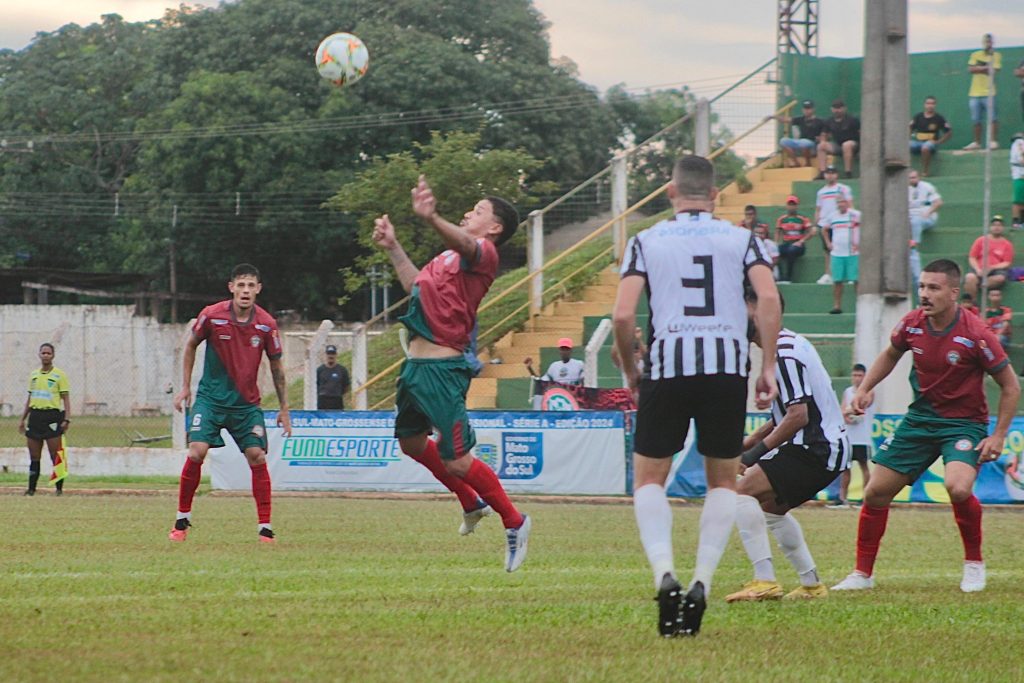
431, 393
1018, 191
245, 425
918, 442
844, 268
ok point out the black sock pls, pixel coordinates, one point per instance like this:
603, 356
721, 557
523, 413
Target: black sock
60, 485
33, 474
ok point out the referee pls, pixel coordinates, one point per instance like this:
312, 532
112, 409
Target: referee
694, 268
47, 421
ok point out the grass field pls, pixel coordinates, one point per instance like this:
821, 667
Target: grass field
385, 590
99, 430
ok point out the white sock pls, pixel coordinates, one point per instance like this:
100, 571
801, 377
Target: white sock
791, 539
754, 534
184, 515
654, 519
716, 522
265, 526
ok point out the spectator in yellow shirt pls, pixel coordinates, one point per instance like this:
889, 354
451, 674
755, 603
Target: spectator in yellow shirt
983, 65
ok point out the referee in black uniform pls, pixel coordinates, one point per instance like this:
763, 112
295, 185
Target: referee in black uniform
695, 269
47, 413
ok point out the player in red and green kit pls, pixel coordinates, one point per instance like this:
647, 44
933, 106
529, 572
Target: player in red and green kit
432, 386
952, 351
237, 333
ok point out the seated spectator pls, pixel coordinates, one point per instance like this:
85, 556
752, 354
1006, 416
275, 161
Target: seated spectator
928, 130
772, 249
1017, 175
983, 65
999, 318
842, 240
567, 370
999, 259
750, 219
805, 139
791, 233
924, 202
841, 136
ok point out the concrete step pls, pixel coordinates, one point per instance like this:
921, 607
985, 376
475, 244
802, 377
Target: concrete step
503, 371
579, 309
570, 324
535, 340
477, 402
515, 357
609, 276
789, 175
603, 293
484, 385
755, 198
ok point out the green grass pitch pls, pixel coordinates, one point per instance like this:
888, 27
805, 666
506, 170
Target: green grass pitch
386, 590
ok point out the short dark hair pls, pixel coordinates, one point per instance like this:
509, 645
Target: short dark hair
930, 97
45, 344
245, 269
506, 215
945, 266
838, 102
749, 207
693, 176
859, 367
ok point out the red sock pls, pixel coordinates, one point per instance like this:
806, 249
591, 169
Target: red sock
968, 518
482, 478
261, 492
191, 473
431, 459
869, 536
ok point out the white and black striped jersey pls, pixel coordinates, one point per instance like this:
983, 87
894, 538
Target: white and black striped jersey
695, 267
802, 378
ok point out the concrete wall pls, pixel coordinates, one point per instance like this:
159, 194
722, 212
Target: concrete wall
117, 363
87, 462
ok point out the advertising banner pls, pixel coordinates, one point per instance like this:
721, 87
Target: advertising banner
1000, 481
532, 452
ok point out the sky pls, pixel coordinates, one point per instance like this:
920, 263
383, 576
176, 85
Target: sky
642, 42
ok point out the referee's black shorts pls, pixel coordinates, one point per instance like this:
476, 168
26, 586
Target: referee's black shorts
44, 424
796, 473
716, 403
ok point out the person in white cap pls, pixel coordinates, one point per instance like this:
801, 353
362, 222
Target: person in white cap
567, 370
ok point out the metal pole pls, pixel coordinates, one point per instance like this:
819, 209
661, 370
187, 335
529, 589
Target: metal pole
536, 261
702, 129
174, 267
620, 201
986, 203
359, 368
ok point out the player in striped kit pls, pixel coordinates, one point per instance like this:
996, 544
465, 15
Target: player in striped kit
694, 268
795, 454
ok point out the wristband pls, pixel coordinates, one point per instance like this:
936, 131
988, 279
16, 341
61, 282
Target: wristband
749, 457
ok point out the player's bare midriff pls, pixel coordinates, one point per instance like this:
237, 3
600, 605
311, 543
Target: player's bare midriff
423, 348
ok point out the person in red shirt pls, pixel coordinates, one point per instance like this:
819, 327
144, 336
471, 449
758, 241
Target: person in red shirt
995, 269
952, 352
237, 333
434, 380
792, 230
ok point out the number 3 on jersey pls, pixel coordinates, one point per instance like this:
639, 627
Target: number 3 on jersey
705, 283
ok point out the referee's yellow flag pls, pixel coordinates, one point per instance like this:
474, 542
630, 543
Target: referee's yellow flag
60, 463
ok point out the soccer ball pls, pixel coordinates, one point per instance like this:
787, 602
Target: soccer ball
342, 58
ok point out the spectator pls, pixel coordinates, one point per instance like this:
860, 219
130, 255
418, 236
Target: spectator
994, 269
928, 130
791, 233
750, 220
770, 247
824, 207
567, 370
809, 128
983, 65
842, 240
999, 318
858, 429
332, 382
924, 202
1017, 173
841, 135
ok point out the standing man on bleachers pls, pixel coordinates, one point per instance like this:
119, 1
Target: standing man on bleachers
825, 205
983, 65
924, 202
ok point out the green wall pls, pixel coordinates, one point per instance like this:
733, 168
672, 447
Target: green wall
942, 74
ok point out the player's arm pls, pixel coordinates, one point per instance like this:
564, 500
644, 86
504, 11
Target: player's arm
758, 435
991, 447
424, 205
624, 323
25, 412
879, 370
66, 398
384, 238
768, 318
188, 362
281, 387
947, 135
